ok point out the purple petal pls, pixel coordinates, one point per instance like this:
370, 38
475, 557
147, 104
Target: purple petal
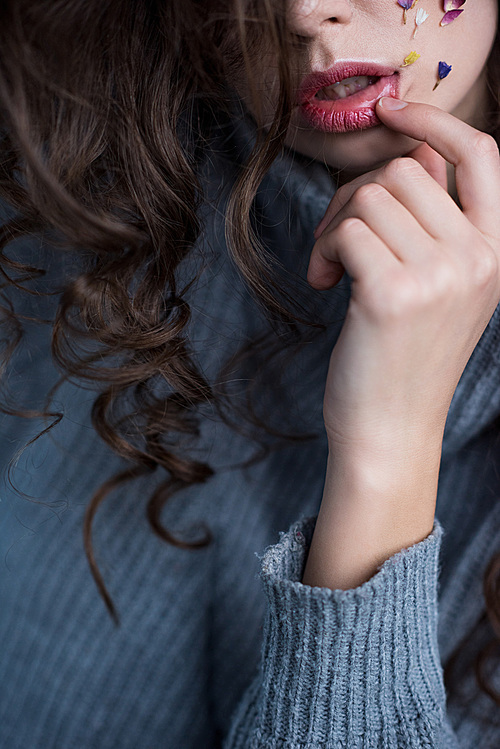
452, 4
450, 16
406, 4
443, 70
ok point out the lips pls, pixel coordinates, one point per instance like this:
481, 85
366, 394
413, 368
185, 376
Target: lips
355, 112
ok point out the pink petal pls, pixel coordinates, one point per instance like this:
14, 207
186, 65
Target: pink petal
450, 16
452, 4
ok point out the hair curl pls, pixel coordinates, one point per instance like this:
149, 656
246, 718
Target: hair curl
99, 152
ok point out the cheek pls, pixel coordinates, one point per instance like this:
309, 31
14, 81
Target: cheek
470, 37
465, 44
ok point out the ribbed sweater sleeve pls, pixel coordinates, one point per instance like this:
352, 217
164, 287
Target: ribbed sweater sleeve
353, 668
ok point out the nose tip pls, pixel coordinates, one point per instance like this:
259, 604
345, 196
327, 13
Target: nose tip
309, 17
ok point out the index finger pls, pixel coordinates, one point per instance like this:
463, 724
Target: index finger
473, 153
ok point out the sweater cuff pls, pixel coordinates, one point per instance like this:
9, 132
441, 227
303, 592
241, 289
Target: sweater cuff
343, 662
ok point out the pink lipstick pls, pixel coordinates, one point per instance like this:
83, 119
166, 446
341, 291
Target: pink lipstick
333, 109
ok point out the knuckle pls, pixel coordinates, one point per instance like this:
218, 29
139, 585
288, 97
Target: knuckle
485, 145
411, 294
485, 268
396, 301
444, 281
402, 168
407, 295
369, 193
350, 226
407, 298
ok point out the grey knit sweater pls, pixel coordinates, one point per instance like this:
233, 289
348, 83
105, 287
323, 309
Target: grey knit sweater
224, 646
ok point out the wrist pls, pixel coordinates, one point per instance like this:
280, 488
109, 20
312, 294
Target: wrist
373, 506
386, 456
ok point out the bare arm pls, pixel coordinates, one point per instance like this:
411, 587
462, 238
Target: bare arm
425, 282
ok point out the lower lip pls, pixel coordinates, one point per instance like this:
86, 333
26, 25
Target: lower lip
355, 112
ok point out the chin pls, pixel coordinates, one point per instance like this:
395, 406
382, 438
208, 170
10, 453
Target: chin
357, 152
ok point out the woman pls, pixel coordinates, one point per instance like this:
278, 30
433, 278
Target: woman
161, 162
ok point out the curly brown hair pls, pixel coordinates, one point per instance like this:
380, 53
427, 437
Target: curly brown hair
99, 153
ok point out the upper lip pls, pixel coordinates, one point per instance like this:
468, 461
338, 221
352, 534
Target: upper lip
347, 69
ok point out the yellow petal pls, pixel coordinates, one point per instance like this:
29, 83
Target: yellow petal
410, 59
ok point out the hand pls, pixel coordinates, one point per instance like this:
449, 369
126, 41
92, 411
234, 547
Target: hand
425, 276
425, 282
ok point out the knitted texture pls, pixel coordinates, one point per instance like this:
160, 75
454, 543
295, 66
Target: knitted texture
224, 646
329, 677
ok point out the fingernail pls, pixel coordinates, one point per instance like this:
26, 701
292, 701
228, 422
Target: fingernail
387, 102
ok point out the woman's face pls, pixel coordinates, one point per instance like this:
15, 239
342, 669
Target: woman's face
372, 31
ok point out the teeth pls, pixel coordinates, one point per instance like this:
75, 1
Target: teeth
345, 88
362, 79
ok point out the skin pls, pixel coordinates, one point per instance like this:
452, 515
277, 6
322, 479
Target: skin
425, 271
377, 28
425, 284
429, 273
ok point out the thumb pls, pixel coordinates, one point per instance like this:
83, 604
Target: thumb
433, 163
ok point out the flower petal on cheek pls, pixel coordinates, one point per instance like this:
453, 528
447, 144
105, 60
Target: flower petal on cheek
443, 71
450, 16
452, 4
410, 59
406, 5
420, 17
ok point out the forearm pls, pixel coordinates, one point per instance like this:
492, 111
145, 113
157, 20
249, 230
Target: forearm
372, 507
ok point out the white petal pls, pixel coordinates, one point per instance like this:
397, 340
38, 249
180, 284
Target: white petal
421, 16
